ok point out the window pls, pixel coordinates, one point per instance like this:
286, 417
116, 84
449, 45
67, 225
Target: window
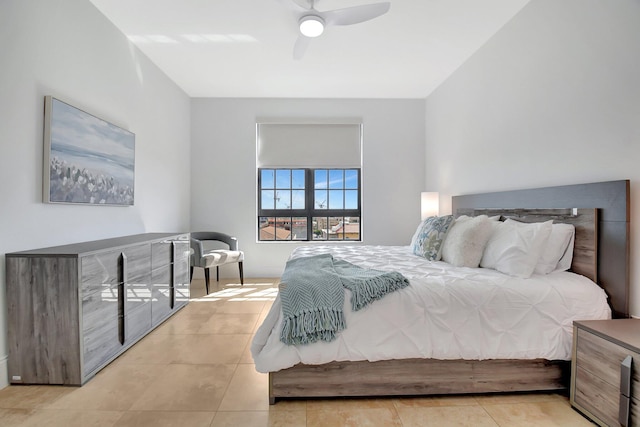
309, 181
308, 204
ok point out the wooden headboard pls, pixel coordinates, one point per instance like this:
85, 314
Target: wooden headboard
611, 203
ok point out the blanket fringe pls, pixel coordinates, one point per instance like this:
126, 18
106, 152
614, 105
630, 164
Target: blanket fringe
366, 291
309, 326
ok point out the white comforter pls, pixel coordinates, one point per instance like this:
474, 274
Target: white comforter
445, 313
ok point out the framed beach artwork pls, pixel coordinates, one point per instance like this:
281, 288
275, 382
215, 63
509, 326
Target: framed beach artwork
87, 160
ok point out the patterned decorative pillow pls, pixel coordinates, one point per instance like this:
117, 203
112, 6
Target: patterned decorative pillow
428, 242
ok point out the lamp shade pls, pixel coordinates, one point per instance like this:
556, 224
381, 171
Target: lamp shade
429, 204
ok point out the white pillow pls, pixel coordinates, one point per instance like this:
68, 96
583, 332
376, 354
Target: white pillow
514, 247
565, 261
567, 258
562, 235
466, 240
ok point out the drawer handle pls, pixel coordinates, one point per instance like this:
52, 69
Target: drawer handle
625, 391
122, 296
172, 284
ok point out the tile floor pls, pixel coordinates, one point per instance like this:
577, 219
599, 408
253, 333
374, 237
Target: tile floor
196, 370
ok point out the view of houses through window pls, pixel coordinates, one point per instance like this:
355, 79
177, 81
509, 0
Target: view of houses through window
308, 204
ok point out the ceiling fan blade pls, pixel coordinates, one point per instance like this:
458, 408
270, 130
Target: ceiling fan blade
302, 43
355, 14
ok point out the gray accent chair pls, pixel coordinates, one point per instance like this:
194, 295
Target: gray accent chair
207, 258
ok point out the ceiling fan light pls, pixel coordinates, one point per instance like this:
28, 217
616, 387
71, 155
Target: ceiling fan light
311, 25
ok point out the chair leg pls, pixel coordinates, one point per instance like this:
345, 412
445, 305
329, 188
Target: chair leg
217, 273
206, 279
241, 273
190, 274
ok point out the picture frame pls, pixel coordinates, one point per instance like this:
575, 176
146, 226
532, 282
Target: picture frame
87, 160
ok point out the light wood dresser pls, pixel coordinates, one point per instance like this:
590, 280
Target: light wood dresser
73, 309
604, 371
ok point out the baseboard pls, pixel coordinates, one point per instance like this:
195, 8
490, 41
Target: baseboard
4, 372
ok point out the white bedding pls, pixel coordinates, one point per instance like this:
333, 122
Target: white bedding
446, 313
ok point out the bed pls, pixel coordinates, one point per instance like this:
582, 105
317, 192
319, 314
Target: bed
384, 363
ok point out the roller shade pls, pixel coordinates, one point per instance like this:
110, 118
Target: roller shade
291, 145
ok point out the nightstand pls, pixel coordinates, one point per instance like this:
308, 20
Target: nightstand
604, 380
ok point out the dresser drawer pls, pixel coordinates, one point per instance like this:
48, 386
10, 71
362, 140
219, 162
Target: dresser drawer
138, 293
160, 254
100, 308
137, 323
602, 358
99, 348
100, 328
182, 283
181, 269
182, 295
600, 347
98, 270
183, 251
599, 397
161, 306
138, 263
161, 251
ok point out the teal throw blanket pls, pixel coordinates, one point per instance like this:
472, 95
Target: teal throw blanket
312, 295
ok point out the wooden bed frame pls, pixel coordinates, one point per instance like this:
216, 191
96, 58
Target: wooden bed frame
601, 253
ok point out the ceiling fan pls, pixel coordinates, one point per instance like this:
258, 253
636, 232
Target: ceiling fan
312, 22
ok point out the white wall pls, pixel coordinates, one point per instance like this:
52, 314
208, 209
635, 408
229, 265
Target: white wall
68, 49
551, 99
223, 189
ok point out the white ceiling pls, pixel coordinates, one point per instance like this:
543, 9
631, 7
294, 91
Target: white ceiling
244, 48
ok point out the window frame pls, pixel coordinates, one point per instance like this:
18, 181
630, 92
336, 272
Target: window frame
310, 211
